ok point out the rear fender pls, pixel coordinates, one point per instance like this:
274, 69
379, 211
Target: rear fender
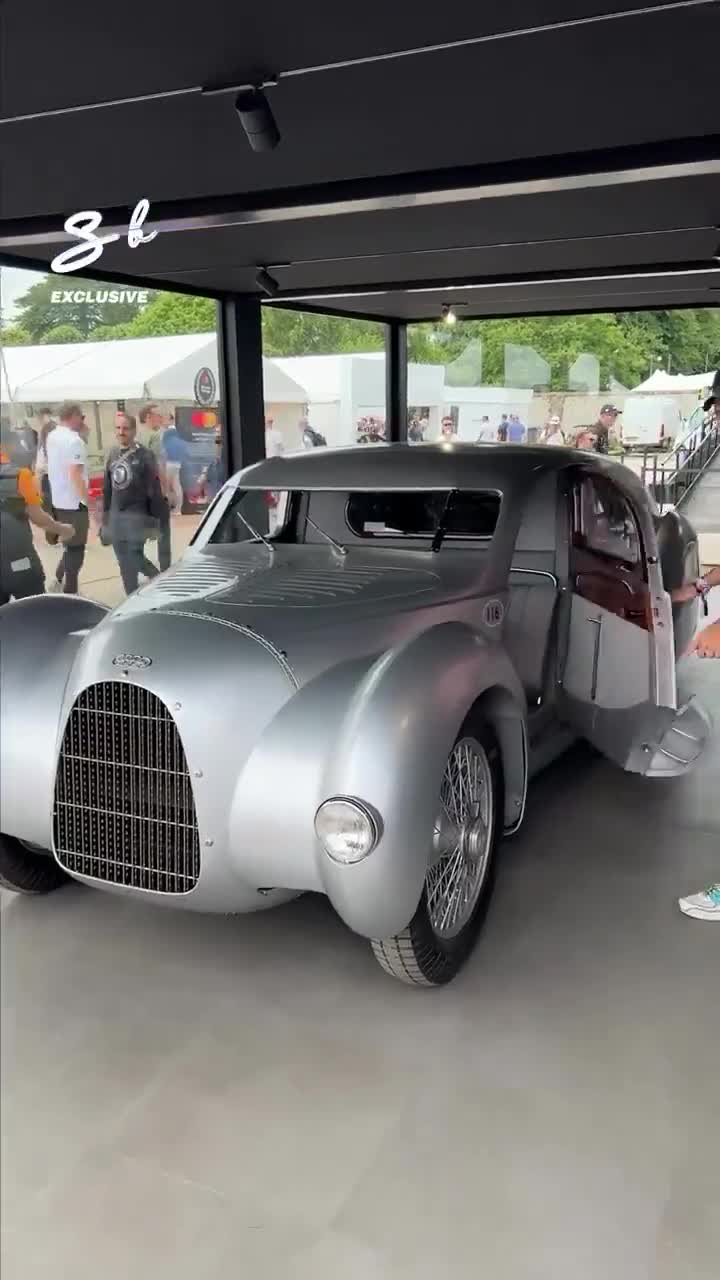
39, 638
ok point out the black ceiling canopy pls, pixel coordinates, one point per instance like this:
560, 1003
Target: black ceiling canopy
428, 154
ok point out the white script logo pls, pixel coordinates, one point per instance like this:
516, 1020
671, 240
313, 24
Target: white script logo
83, 226
100, 295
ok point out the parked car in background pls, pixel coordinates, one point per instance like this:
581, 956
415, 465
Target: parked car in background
355, 702
650, 422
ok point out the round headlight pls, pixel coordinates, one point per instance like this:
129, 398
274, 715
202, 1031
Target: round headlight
347, 831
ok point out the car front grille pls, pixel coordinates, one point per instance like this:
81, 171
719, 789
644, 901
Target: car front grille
124, 809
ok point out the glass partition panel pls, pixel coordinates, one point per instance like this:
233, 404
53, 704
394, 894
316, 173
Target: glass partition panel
324, 381
618, 382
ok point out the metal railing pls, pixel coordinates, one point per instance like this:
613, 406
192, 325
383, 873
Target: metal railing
672, 478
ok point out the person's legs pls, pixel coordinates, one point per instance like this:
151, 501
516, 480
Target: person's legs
175, 493
56, 582
164, 545
72, 561
147, 568
127, 559
30, 582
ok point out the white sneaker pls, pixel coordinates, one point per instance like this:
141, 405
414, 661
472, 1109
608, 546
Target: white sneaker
704, 905
55, 586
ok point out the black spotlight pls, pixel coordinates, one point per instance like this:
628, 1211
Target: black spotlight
266, 282
257, 120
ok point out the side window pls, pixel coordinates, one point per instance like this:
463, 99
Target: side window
605, 523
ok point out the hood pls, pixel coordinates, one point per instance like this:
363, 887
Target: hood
307, 604
298, 588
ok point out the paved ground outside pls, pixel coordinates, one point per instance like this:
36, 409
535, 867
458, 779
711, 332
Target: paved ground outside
100, 577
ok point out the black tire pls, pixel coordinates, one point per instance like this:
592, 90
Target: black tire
419, 956
24, 871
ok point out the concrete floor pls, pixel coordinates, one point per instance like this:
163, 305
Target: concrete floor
100, 576
201, 1097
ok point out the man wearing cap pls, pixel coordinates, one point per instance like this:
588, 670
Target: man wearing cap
599, 432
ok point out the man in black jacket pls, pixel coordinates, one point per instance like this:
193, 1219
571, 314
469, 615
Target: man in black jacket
132, 502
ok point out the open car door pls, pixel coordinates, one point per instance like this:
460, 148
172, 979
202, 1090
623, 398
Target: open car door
617, 678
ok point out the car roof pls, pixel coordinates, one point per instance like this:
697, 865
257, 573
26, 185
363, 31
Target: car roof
441, 466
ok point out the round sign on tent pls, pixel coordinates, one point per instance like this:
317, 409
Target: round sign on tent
205, 386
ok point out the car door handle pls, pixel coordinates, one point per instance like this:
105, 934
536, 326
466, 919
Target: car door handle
595, 622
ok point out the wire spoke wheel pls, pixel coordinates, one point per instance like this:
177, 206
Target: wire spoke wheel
460, 877
454, 883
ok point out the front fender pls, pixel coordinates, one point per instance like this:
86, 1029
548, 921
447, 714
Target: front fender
39, 638
379, 728
391, 752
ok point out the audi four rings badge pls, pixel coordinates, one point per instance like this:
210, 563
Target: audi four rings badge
137, 660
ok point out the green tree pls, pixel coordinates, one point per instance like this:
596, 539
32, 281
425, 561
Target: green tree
172, 313
14, 336
105, 332
38, 312
305, 333
477, 349
62, 333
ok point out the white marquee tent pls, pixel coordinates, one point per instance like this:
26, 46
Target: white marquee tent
124, 369
676, 382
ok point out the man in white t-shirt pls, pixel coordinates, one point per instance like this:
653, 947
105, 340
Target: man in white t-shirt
68, 477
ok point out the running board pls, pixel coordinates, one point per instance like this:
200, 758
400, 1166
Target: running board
680, 745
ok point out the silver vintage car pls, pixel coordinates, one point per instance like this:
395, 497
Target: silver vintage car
345, 685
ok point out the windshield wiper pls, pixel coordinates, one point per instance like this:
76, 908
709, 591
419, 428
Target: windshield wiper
259, 537
337, 546
441, 528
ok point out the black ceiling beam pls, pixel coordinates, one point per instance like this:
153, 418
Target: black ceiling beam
585, 170
599, 237
590, 308
647, 271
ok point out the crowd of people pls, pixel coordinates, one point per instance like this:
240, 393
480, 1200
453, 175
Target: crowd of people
510, 429
44, 482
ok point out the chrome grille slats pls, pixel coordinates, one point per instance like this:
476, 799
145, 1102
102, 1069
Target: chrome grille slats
124, 809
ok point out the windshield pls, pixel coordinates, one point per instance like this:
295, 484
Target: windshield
261, 512
343, 518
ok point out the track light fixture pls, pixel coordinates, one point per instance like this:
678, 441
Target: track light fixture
257, 120
266, 282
